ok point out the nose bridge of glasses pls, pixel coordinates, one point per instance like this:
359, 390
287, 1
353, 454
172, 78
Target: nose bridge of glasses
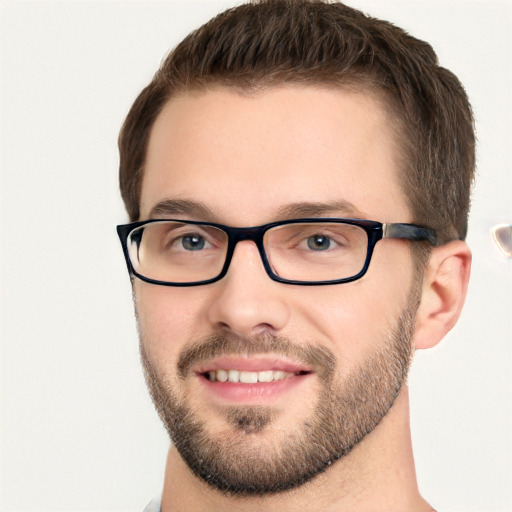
241, 234
251, 234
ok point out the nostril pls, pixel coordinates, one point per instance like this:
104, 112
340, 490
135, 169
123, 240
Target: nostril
262, 329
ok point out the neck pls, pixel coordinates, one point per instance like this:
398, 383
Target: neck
377, 476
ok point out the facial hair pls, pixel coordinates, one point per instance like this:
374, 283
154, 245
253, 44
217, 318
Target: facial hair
345, 412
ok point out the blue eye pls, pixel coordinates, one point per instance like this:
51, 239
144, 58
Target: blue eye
319, 242
193, 242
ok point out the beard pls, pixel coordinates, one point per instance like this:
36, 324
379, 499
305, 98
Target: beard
249, 457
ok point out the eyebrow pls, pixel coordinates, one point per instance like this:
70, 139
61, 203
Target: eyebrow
199, 211
318, 209
181, 207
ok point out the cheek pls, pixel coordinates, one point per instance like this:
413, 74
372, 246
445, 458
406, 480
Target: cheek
344, 319
167, 319
354, 318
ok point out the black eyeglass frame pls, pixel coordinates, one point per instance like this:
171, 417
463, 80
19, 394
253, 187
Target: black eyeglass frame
375, 231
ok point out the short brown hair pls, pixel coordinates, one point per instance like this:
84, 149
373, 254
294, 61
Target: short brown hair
315, 42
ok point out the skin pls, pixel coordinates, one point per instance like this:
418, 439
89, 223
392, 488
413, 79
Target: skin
248, 159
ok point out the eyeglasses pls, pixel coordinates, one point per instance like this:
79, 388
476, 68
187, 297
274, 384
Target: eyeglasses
315, 251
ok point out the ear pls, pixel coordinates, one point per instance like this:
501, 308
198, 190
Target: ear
445, 284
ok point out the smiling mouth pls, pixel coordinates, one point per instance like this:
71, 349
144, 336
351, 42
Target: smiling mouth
251, 380
250, 377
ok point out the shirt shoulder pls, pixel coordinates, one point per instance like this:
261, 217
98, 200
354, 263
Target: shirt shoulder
153, 506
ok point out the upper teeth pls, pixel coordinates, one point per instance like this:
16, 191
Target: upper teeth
247, 377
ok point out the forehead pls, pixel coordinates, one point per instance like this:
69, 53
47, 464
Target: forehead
247, 157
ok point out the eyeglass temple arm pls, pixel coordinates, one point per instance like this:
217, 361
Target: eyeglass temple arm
409, 232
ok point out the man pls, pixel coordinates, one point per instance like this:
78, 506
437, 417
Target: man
297, 178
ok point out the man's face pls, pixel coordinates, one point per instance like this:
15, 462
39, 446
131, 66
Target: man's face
336, 356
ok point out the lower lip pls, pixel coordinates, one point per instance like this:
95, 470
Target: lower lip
261, 392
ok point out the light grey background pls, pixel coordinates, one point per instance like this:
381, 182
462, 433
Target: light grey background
78, 431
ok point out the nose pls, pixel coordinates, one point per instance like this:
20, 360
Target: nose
246, 301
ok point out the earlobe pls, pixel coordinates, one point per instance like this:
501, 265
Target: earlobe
444, 290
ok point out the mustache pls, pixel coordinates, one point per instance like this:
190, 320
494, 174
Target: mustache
319, 358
